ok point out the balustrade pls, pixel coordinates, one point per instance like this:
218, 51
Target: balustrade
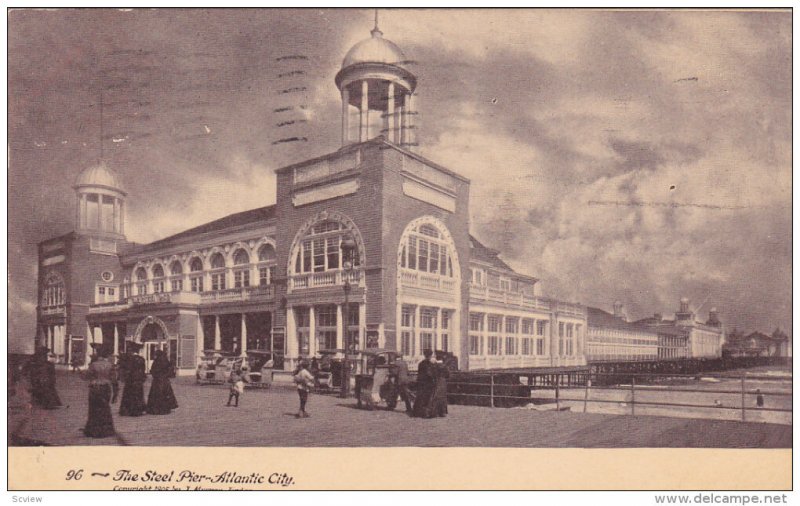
325, 279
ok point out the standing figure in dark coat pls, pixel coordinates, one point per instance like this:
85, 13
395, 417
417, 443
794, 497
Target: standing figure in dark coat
134, 376
438, 405
42, 377
100, 376
161, 400
401, 373
425, 384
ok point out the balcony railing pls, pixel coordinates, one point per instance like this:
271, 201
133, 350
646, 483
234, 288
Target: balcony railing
324, 279
239, 294
427, 280
485, 293
53, 310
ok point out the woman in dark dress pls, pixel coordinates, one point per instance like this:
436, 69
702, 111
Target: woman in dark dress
134, 376
100, 376
161, 400
425, 386
439, 399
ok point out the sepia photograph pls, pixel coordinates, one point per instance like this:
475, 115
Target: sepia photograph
396, 229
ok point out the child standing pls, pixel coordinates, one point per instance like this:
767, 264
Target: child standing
237, 386
304, 381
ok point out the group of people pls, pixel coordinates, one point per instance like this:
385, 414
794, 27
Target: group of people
431, 399
104, 379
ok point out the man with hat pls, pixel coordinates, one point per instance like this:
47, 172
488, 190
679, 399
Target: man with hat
133, 375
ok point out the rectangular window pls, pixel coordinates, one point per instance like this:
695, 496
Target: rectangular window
426, 340
326, 316
301, 317
141, 288
511, 325
412, 252
197, 284
218, 281
176, 285
434, 258
540, 346
241, 279
406, 343
445, 344
427, 318
476, 322
407, 317
494, 348
474, 345
527, 327
352, 315
560, 329
511, 345
505, 284
326, 339
494, 324
306, 256
263, 276
319, 255
158, 286
333, 252
423, 255
526, 346
540, 327
569, 330
443, 269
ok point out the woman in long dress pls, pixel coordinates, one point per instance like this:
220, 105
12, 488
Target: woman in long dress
100, 376
425, 385
42, 374
134, 376
438, 405
161, 400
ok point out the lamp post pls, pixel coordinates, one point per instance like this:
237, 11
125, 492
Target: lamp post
348, 246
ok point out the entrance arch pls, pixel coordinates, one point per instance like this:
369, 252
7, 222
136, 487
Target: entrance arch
153, 334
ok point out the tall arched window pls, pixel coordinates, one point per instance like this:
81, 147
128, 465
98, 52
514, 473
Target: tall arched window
141, 281
176, 276
320, 249
266, 264
425, 249
217, 272
241, 271
158, 278
196, 274
53, 291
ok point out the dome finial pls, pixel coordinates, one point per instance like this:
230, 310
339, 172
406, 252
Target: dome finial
376, 32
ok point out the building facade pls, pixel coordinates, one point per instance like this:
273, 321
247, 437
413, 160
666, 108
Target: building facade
685, 337
368, 246
612, 338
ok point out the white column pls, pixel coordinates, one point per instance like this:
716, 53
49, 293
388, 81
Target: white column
86, 343
409, 126
340, 327
292, 341
390, 114
200, 342
83, 218
312, 331
362, 325
345, 116
417, 347
217, 335
116, 339
364, 127
437, 331
48, 337
244, 334
68, 358
99, 211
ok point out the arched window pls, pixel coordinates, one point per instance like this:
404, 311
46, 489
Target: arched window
196, 276
158, 278
266, 264
218, 278
141, 281
53, 291
425, 249
176, 270
241, 272
320, 250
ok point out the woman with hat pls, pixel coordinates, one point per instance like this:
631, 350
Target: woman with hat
161, 400
134, 376
101, 378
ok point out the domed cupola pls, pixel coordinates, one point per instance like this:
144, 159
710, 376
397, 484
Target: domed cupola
101, 201
375, 82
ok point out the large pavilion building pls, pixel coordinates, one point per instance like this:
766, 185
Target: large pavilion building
368, 245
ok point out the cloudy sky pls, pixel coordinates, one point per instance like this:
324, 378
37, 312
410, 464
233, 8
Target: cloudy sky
634, 156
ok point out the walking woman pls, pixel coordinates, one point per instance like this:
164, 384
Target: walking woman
99, 374
161, 400
134, 376
304, 381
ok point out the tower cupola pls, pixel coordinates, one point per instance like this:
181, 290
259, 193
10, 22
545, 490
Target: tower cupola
377, 92
100, 208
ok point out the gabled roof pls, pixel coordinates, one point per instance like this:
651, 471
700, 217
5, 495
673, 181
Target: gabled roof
487, 255
259, 215
596, 317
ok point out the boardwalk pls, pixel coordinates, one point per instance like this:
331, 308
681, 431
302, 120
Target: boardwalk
265, 418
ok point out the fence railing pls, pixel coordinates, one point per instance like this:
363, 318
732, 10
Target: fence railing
507, 390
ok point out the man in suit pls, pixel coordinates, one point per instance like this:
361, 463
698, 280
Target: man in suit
401, 372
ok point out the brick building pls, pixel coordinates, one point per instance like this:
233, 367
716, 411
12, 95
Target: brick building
368, 245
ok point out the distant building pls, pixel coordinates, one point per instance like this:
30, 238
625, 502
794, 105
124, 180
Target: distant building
758, 344
701, 340
368, 245
612, 338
